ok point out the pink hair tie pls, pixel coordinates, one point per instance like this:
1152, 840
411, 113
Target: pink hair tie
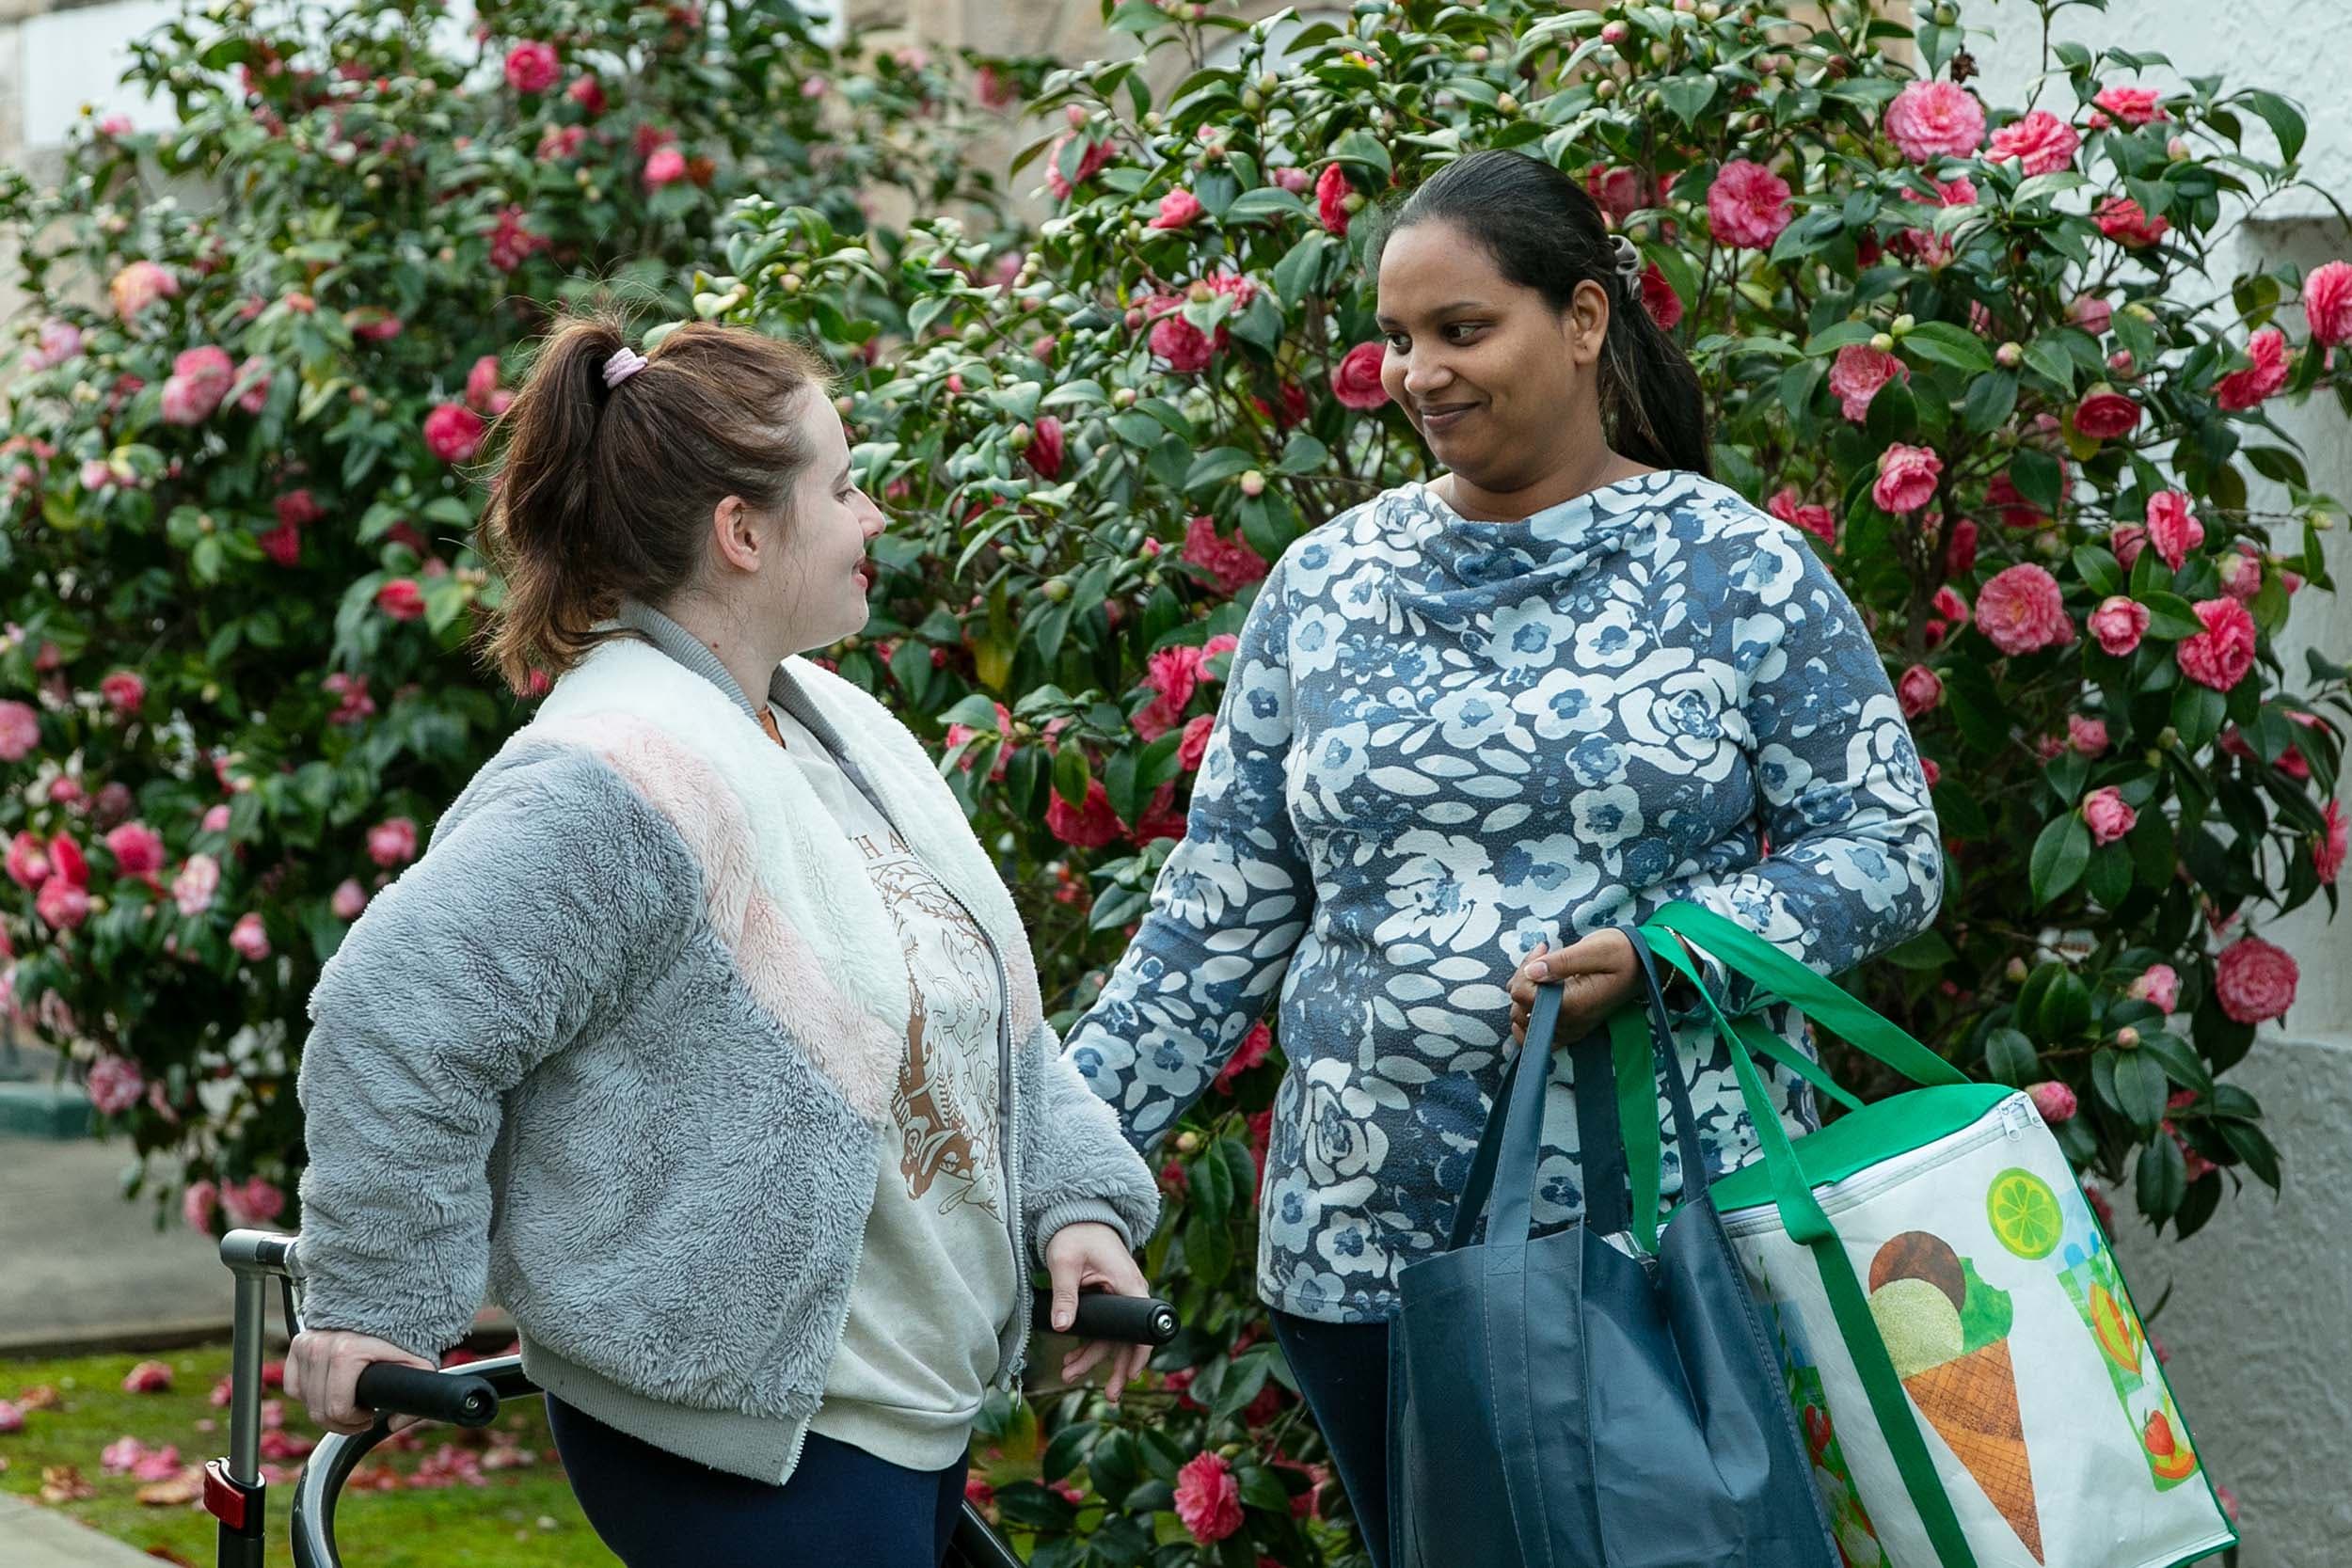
625, 363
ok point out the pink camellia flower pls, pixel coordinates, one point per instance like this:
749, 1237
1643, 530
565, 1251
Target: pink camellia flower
137, 849
1195, 744
2087, 735
453, 431
29, 861
20, 730
124, 692
62, 903
512, 240
148, 1377
1332, 193
2127, 539
401, 599
2020, 610
2132, 105
2126, 223
348, 900
2255, 981
297, 509
253, 1201
2241, 573
198, 1203
1857, 374
2265, 376
282, 544
138, 286
1087, 827
2172, 529
1090, 163
2105, 414
1813, 518
958, 733
182, 404
1935, 119
1747, 206
1184, 346
59, 341
1178, 208
1231, 564
392, 841
351, 692
588, 93
1175, 673
193, 889
66, 860
1292, 179
254, 375
2055, 1101
532, 66
994, 89
1659, 299
2042, 143
249, 938
2328, 847
1356, 379
1208, 1499
1907, 477
374, 325
666, 168
2158, 985
2328, 303
2109, 817
1046, 446
1919, 689
2220, 655
558, 143
1254, 1049
114, 1085
1620, 191
2091, 314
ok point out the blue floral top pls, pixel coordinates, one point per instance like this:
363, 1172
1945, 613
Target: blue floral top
1443, 741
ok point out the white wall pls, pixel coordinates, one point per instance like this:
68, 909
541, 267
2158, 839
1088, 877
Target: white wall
2260, 1323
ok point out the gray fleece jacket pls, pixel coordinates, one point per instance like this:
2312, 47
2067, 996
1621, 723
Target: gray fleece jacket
614, 1052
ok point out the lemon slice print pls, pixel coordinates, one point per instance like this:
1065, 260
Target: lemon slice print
2025, 1213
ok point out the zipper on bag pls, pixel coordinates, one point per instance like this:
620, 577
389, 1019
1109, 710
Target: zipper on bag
2007, 1121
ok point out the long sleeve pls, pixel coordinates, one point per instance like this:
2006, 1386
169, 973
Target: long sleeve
1077, 1165
1229, 909
555, 890
1855, 864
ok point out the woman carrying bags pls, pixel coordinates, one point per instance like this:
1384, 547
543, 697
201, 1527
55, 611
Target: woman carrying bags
705, 1035
1470, 725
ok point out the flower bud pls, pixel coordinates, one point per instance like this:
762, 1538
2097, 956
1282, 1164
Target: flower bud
2009, 356
1903, 324
1615, 33
2177, 149
1124, 397
1056, 590
1253, 483
1477, 53
1076, 115
2168, 738
1506, 104
1884, 342
1187, 1142
2127, 1039
2017, 971
1606, 89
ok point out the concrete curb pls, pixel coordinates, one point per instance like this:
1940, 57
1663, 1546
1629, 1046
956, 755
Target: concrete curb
32, 1536
44, 1110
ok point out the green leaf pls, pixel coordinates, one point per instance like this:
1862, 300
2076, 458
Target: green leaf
1072, 774
2067, 775
2059, 855
2170, 617
2037, 476
2140, 1088
1844, 335
1991, 401
1215, 466
1361, 147
2284, 119
1687, 95
2109, 878
2065, 1008
1295, 273
2249, 1145
2098, 570
1209, 1188
2180, 1062
2011, 1058
2163, 1179
1302, 454
2197, 713
2049, 359
1942, 343
1927, 950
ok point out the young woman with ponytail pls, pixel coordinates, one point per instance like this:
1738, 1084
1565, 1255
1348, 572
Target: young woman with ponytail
1473, 725
704, 1037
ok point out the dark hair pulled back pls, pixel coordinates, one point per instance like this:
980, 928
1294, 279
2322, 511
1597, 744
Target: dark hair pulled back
1545, 232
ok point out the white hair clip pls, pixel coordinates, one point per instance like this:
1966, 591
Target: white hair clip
1629, 261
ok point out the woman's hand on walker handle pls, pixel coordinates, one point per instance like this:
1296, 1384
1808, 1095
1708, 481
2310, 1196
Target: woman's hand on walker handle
1597, 973
323, 1368
1084, 1254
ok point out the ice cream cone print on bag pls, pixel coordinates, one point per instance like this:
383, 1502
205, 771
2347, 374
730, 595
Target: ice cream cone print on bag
1948, 1333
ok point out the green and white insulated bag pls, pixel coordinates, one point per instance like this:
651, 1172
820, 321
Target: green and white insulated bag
1974, 1385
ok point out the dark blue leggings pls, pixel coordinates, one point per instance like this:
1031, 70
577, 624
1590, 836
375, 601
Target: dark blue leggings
843, 1508
1343, 1370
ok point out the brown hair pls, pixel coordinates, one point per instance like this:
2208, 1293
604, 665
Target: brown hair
606, 493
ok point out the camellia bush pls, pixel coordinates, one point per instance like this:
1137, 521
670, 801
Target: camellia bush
235, 472
1987, 357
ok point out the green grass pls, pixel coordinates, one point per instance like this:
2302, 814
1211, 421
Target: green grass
522, 1518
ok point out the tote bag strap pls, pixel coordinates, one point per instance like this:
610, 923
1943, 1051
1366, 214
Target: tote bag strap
1808, 1225
1823, 1001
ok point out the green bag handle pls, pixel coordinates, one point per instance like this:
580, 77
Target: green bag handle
1809, 1225
1823, 1001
